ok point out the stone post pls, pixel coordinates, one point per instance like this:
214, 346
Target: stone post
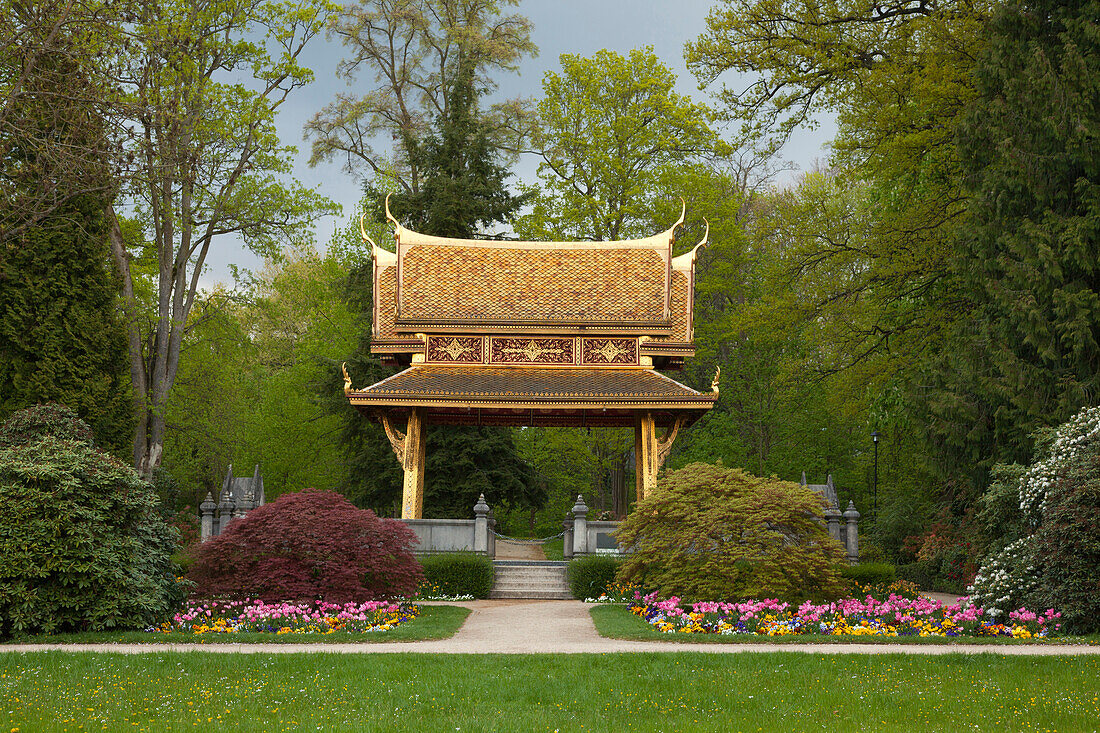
580, 527
832, 521
852, 517
206, 517
225, 510
492, 537
567, 537
481, 525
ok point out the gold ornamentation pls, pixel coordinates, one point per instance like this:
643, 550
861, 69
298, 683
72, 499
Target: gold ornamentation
347, 379
455, 348
395, 436
531, 351
610, 351
714, 384
664, 445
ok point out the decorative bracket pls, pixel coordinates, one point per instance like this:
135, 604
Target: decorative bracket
395, 436
664, 445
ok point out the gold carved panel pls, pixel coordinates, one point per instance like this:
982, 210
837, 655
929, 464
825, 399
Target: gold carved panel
456, 349
505, 350
609, 351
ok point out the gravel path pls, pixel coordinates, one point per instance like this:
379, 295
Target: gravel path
550, 627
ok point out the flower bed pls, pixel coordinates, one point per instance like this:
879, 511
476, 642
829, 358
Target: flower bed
228, 617
895, 616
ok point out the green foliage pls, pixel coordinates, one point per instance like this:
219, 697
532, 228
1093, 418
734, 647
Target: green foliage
589, 577
81, 545
44, 421
609, 127
60, 335
1030, 259
462, 181
870, 573
1068, 547
459, 574
715, 533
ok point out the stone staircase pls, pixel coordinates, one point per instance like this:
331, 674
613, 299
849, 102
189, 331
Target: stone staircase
535, 579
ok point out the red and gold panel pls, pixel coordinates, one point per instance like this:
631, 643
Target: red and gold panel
609, 351
504, 350
455, 349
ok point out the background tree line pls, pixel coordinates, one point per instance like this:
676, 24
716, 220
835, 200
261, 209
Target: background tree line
935, 281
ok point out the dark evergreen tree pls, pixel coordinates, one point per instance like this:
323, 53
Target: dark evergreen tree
462, 185
1030, 260
462, 190
60, 335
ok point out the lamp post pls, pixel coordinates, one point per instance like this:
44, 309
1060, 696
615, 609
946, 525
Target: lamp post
874, 438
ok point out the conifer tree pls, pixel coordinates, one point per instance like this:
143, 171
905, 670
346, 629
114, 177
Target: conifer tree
1031, 256
60, 335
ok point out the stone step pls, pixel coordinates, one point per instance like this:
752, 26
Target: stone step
541, 595
536, 579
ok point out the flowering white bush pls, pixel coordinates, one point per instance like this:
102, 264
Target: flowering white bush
1070, 442
1005, 578
1008, 576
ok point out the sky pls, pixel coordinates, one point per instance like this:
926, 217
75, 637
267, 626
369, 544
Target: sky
560, 26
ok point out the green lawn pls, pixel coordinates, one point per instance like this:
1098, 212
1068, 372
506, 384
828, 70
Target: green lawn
56, 691
615, 621
554, 549
434, 622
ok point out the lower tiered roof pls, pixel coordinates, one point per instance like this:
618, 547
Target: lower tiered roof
488, 395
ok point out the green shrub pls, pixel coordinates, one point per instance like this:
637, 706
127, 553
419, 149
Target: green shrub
714, 533
81, 545
590, 576
459, 574
870, 573
925, 573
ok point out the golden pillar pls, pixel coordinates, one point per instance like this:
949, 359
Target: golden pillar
645, 458
651, 452
410, 448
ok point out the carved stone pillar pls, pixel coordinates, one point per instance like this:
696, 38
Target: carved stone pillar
410, 449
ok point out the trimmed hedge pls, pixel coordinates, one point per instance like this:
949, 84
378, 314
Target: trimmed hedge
870, 573
459, 574
590, 576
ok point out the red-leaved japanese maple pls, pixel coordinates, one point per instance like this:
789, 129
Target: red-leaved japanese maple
308, 545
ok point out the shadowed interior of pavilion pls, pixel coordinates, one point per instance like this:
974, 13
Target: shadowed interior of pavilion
531, 333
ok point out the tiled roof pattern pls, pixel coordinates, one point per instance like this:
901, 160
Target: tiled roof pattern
679, 309
494, 284
386, 298
529, 383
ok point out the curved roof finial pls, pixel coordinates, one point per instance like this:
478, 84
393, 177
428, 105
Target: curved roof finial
714, 384
347, 380
683, 213
389, 216
704, 241
363, 234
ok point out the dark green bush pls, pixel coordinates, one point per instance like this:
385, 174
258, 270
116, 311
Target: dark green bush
590, 576
81, 545
925, 573
870, 573
459, 574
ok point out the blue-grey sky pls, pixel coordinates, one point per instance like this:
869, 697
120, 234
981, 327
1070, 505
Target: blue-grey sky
560, 26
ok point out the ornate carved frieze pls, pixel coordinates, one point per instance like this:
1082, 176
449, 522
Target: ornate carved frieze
503, 350
456, 349
609, 351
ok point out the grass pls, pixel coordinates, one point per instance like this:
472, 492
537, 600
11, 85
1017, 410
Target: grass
434, 622
59, 691
615, 621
